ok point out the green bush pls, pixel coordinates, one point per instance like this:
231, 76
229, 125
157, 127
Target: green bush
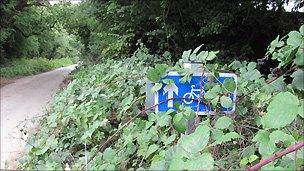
82, 128
25, 66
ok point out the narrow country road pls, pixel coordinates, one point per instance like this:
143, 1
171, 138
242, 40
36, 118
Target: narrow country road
24, 99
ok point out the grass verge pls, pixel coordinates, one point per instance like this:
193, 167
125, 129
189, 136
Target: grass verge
24, 66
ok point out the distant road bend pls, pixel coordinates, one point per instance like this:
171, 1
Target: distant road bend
24, 99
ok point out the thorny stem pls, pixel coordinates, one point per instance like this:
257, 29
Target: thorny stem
275, 156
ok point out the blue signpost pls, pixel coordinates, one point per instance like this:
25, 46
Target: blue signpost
186, 93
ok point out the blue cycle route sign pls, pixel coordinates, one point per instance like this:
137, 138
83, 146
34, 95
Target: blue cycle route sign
185, 94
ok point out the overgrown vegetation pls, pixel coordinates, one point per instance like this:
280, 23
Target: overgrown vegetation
99, 121
240, 29
25, 66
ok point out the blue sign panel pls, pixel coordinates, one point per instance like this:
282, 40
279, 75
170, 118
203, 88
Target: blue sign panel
186, 94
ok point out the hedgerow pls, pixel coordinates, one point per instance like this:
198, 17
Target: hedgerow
99, 121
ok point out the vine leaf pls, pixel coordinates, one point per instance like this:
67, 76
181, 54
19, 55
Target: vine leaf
108, 154
152, 148
252, 158
294, 38
155, 74
156, 87
266, 147
177, 163
244, 161
230, 85
299, 60
196, 141
226, 102
301, 109
202, 162
277, 136
213, 92
282, 110
180, 123
226, 138
223, 122
298, 79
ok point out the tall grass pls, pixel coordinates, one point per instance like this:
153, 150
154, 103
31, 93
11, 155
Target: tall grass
25, 66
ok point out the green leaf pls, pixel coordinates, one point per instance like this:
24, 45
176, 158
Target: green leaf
212, 55
301, 109
170, 139
158, 165
298, 79
281, 111
301, 30
295, 39
277, 136
203, 162
244, 161
108, 155
196, 141
252, 75
226, 138
42, 150
251, 66
152, 148
262, 135
176, 163
180, 123
215, 100
266, 147
202, 56
230, 85
226, 102
274, 44
155, 74
168, 81
299, 60
186, 55
252, 158
163, 119
213, 92
127, 101
223, 122
197, 49
156, 87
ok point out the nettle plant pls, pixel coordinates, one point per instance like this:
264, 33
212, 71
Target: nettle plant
99, 121
269, 116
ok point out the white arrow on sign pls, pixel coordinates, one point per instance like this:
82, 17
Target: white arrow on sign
170, 89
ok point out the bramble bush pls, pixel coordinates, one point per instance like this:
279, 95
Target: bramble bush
99, 121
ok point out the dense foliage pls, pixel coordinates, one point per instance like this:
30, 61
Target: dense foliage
99, 116
99, 121
241, 29
32, 29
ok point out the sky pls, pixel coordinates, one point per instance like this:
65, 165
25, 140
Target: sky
290, 5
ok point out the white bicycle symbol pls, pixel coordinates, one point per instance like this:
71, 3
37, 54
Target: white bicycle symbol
190, 96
